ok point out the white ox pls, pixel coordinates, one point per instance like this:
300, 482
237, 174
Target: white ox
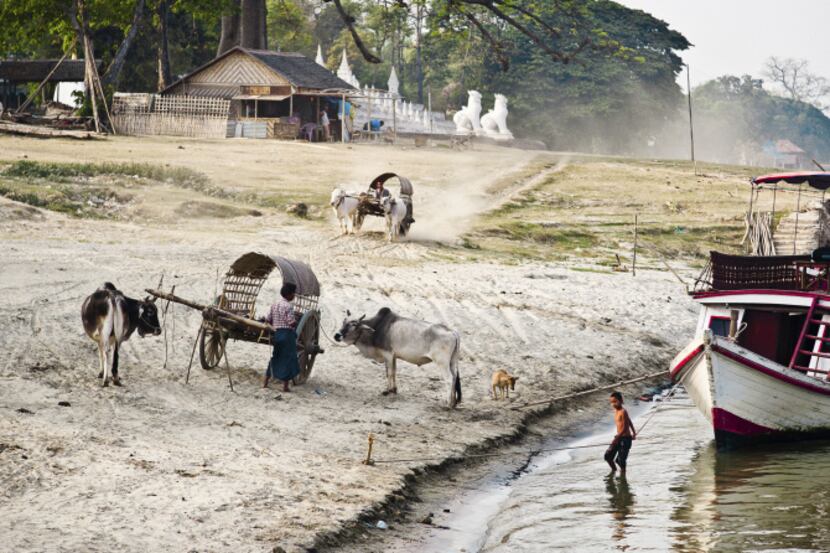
345, 206
387, 337
395, 210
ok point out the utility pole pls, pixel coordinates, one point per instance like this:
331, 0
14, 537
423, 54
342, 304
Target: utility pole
691, 123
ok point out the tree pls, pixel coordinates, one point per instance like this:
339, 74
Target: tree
736, 113
796, 81
229, 35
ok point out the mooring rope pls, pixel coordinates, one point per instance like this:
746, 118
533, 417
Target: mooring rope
591, 391
534, 452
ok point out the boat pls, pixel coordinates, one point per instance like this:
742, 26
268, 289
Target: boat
758, 367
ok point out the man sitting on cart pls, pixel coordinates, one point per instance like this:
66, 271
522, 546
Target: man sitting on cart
377, 190
283, 365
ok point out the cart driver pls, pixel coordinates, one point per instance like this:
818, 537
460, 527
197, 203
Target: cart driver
377, 190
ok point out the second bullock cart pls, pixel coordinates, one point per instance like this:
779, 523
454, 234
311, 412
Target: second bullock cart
232, 314
371, 205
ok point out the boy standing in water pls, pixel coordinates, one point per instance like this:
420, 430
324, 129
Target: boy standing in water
626, 432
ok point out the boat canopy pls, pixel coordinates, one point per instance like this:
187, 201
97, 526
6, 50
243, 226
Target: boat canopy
820, 181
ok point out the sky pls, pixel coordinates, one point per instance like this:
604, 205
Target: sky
736, 36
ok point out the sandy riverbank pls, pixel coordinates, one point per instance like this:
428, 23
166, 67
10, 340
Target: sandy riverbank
161, 465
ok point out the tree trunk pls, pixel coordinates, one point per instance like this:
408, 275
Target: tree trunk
263, 14
229, 36
163, 50
114, 70
419, 68
252, 24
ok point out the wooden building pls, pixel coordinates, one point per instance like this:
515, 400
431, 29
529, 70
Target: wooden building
269, 93
14, 74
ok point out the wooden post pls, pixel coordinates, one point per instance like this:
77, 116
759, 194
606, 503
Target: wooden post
193, 352
797, 209
90, 65
634, 254
429, 107
368, 460
369, 115
343, 119
772, 222
394, 119
291, 104
691, 123
733, 323
224, 337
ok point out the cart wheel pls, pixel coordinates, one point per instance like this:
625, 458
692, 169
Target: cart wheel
211, 348
308, 340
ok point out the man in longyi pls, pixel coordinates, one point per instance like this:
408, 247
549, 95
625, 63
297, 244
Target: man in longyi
283, 365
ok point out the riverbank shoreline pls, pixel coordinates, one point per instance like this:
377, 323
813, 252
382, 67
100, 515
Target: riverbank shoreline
414, 512
171, 463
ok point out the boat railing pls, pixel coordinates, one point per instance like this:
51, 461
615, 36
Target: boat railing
780, 272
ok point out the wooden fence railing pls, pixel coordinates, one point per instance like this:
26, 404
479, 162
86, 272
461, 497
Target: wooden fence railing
151, 114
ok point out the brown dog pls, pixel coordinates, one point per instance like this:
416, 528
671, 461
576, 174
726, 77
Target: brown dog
504, 382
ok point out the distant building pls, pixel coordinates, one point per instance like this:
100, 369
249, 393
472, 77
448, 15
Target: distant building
15, 74
786, 155
242, 93
262, 84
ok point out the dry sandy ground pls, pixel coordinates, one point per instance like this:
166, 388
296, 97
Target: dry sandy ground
160, 465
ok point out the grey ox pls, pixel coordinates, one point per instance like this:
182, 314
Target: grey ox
387, 337
110, 318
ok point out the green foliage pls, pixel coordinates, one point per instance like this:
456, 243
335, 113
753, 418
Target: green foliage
289, 27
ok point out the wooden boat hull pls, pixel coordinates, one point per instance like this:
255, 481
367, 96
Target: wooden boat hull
750, 399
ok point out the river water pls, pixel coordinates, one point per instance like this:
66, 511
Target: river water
679, 495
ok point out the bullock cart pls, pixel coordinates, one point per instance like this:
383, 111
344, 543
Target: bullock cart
232, 314
370, 205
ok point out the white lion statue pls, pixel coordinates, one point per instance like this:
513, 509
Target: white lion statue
467, 118
494, 122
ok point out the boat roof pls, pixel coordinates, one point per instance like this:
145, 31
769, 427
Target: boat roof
818, 180
782, 298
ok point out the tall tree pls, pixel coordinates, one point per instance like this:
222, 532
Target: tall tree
794, 78
229, 35
163, 45
252, 24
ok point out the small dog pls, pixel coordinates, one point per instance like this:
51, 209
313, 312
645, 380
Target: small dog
504, 382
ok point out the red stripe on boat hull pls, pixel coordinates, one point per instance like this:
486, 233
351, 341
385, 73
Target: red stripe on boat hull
724, 421
686, 360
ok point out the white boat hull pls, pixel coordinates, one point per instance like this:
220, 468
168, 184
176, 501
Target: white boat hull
748, 398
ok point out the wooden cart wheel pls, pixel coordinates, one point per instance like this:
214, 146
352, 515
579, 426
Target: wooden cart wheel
211, 348
308, 344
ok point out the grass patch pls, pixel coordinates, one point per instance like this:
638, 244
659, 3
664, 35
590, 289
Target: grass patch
66, 172
544, 234
92, 201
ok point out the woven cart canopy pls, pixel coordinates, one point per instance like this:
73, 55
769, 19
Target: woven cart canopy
406, 186
258, 265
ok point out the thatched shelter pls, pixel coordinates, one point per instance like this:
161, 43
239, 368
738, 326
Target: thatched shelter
16, 73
